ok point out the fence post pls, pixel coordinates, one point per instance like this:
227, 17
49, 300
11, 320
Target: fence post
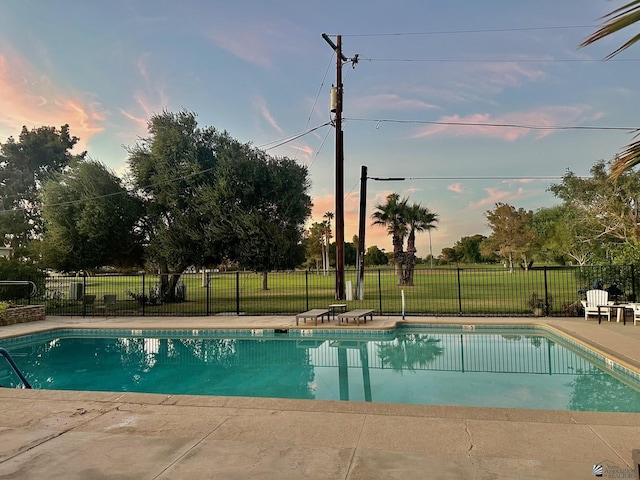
84, 292
144, 296
238, 293
207, 290
633, 282
546, 293
306, 286
380, 291
459, 293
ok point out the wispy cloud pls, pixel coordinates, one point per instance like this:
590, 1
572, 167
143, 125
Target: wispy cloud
507, 74
147, 101
388, 101
495, 195
455, 187
263, 109
509, 126
29, 98
254, 41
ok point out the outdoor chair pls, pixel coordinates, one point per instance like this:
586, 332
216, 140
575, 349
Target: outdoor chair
108, 303
595, 304
636, 312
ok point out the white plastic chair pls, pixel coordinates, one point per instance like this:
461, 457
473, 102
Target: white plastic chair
595, 299
636, 312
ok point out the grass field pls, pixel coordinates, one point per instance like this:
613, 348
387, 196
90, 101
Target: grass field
438, 291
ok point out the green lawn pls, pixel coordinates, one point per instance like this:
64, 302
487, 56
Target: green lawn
438, 291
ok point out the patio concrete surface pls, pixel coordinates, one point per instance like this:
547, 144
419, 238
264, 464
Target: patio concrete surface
96, 435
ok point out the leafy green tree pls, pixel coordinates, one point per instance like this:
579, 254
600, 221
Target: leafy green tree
375, 256
314, 244
24, 166
20, 270
606, 210
452, 254
561, 235
467, 249
513, 235
209, 198
616, 20
169, 169
259, 205
90, 220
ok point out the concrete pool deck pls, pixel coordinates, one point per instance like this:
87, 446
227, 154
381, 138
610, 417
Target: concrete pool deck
95, 435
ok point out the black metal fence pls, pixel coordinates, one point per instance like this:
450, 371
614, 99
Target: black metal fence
464, 291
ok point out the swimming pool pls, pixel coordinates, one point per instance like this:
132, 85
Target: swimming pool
523, 367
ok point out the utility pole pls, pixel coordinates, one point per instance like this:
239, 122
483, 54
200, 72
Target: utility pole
361, 233
340, 58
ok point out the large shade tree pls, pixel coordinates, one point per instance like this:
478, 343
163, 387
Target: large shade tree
616, 20
606, 209
258, 208
90, 220
209, 198
25, 164
513, 235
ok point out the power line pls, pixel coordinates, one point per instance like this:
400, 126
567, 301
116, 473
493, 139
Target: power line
484, 30
502, 125
521, 177
285, 140
446, 60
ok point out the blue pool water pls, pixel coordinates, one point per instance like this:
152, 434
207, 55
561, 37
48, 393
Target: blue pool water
494, 368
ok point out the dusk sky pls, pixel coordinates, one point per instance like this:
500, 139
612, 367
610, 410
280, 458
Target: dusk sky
262, 71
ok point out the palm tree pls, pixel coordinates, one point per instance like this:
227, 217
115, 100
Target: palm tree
616, 20
418, 219
391, 215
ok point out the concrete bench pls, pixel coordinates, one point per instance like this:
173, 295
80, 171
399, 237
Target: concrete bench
357, 315
313, 315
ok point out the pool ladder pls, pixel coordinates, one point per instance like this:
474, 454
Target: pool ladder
15, 368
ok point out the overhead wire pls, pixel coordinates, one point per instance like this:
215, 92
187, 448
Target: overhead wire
481, 30
525, 60
500, 125
315, 102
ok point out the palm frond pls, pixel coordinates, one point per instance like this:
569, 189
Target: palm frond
628, 158
617, 20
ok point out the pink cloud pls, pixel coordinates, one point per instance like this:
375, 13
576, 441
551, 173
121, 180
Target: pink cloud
495, 195
510, 126
254, 41
145, 105
455, 187
508, 74
261, 105
29, 98
305, 150
387, 101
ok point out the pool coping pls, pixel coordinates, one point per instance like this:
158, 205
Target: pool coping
326, 439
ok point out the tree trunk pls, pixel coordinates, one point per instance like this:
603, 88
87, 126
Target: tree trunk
265, 283
398, 258
167, 284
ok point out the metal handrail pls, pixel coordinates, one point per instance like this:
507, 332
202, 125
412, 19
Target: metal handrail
14, 366
34, 289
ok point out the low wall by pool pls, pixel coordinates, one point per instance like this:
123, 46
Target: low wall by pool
28, 313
